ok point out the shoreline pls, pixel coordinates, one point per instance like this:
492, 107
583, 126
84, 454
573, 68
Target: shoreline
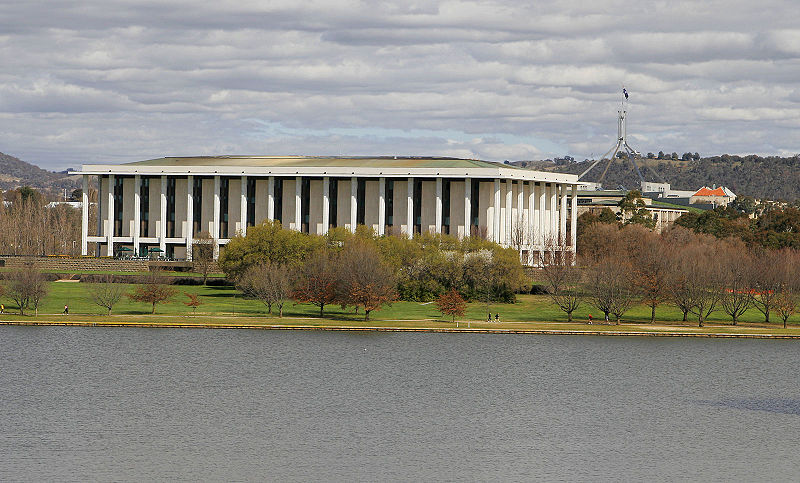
623, 330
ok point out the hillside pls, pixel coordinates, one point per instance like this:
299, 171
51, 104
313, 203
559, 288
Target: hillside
15, 173
771, 177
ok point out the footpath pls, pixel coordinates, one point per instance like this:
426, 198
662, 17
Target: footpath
433, 326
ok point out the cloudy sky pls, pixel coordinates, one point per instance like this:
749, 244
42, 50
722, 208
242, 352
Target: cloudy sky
116, 81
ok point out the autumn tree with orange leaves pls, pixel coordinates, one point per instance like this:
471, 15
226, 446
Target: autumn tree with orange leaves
451, 303
316, 282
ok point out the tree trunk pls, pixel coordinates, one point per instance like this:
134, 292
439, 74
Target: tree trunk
154, 308
735, 319
684, 315
569, 316
280, 310
366, 315
699, 320
320, 309
653, 314
784, 323
269, 308
766, 316
109, 312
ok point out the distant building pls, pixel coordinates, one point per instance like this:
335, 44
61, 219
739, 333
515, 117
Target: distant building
595, 201
716, 196
162, 204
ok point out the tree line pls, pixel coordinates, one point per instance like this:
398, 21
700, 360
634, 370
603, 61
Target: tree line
365, 271
697, 273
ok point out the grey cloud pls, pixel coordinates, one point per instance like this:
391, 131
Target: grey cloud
126, 80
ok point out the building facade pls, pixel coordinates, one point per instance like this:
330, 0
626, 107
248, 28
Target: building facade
162, 204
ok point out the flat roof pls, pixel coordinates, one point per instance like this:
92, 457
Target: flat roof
337, 166
321, 162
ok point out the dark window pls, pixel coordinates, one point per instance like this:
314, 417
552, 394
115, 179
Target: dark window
305, 202
417, 197
224, 186
251, 201
197, 205
279, 199
390, 202
117, 206
333, 199
360, 201
474, 201
144, 206
446, 206
171, 207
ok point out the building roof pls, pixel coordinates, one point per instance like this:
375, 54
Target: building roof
337, 166
706, 191
322, 161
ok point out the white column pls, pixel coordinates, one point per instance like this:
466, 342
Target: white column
137, 204
326, 204
554, 212
542, 216
410, 208
353, 203
496, 213
298, 200
438, 218
381, 206
189, 215
162, 231
562, 224
509, 211
215, 226
243, 209
520, 218
467, 206
100, 221
573, 219
531, 222
271, 198
85, 216
110, 217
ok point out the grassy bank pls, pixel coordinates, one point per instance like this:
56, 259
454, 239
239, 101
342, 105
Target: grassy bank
224, 306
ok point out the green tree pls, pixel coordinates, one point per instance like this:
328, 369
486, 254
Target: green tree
634, 210
268, 242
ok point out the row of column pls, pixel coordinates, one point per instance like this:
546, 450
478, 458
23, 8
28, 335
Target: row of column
541, 218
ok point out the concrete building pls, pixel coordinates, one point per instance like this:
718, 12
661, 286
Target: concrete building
162, 204
595, 201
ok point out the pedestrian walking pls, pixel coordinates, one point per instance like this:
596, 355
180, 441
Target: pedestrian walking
66, 309
590, 319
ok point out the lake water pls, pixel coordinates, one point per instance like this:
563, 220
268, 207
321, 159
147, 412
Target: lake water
152, 404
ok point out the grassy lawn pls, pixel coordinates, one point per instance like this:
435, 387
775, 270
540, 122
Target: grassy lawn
226, 305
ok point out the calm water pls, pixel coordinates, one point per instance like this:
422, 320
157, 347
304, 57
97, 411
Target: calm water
154, 404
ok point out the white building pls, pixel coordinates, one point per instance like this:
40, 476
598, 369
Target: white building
163, 203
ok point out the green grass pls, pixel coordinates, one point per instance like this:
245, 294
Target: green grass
228, 302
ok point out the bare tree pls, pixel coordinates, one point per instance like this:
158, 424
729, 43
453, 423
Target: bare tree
363, 279
786, 304
701, 272
768, 277
27, 287
610, 288
106, 293
651, 271
563, 279
271, 283
316, 282
736, 265
203, 254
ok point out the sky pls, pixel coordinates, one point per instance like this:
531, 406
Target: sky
112, 81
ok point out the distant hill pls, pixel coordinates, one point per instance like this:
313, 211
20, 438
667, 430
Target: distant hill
15, 173
771, 177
